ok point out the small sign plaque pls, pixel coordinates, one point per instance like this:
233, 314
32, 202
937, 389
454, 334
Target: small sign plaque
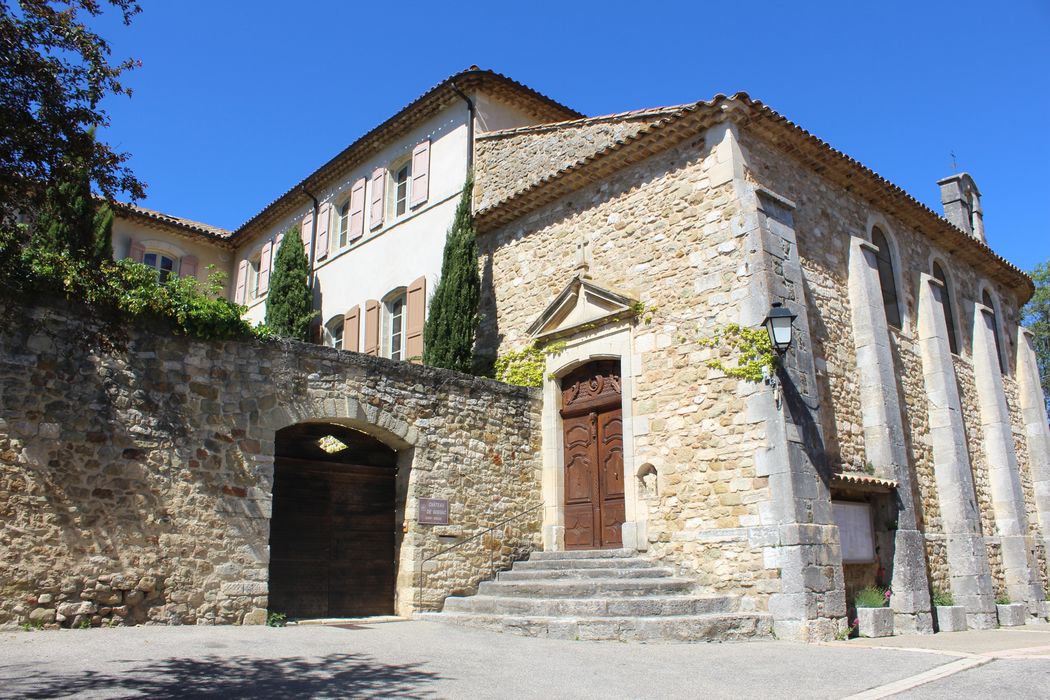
433, 511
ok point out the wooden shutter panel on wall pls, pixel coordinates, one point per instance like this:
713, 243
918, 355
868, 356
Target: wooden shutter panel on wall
375, 213
264, 268
415, 312
352, 329
322, 231
420, 173
188, 266
305, 231
371, 327
277, 246
357, 210
137, 251
242, 282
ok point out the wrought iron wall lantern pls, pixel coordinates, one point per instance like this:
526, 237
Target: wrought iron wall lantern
779, 326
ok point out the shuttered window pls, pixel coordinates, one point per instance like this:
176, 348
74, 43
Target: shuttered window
420, 173
401, 183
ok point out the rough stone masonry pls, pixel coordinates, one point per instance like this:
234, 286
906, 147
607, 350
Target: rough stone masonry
135, 482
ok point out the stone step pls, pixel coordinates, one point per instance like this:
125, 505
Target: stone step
672, 628
560, 574
606, 563
641, 606
584, 554
584, 588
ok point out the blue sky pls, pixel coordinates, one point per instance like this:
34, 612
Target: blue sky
237, 101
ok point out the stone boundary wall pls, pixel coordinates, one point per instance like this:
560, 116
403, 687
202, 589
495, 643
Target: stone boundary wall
135, 482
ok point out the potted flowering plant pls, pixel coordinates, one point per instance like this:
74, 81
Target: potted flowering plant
874, 618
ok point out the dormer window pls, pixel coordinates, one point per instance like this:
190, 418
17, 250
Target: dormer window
402, 179
164, 265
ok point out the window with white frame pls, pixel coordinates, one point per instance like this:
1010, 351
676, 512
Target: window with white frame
342, 223
253, 277
333, 334
163, 264
402, 183
394, 326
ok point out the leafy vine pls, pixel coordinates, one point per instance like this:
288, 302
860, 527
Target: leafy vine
745, 353
525, 367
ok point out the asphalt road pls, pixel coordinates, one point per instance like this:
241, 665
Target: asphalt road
430, 660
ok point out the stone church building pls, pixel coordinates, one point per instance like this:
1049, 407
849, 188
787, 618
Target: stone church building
902, 440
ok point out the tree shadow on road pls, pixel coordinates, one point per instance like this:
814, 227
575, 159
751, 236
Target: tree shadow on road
332, 676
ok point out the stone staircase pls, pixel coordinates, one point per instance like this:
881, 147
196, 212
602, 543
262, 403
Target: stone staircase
609, 594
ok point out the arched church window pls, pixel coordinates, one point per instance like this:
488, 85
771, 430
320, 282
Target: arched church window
887, 280
946, 305
986, 299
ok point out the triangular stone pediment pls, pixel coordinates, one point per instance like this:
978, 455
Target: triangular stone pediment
582, 305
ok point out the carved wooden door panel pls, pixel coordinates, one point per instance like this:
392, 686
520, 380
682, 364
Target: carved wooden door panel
592, 418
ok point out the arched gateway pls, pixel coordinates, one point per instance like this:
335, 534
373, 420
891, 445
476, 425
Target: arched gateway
332, 535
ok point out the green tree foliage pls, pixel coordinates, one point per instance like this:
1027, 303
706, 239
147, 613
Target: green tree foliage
54, 75
1036, 316
452, 324
103, 234
72, 220
289, 304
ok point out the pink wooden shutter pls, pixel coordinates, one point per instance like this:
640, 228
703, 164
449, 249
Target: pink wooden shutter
277, 246
416, 303
357, 210
188, 266
264, 268
304, 232
371, 327
352, 329
322, 231
375, 214
242, 282
420, 173
137, 251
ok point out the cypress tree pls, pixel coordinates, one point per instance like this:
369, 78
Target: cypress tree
71, 219
448, 337
103, 232
67, 221
289, 306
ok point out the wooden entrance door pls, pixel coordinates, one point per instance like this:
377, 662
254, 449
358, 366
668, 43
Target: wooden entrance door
592, 417
332, 534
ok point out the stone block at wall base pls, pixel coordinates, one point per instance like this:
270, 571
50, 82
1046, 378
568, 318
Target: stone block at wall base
951, 618
1012, 615
875, 622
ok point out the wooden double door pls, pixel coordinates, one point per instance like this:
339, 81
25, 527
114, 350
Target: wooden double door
332, 534
592, 419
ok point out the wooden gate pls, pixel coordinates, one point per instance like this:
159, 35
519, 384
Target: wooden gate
332, 534
592, 417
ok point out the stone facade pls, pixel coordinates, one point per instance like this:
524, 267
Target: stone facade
705, 232
135, 483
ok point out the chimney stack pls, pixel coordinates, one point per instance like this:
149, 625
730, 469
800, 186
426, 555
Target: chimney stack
962, 204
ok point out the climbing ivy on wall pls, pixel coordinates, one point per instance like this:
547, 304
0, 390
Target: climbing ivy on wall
744, 353
525, 367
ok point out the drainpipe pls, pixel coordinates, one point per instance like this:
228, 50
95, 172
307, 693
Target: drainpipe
313, 233
470, 126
